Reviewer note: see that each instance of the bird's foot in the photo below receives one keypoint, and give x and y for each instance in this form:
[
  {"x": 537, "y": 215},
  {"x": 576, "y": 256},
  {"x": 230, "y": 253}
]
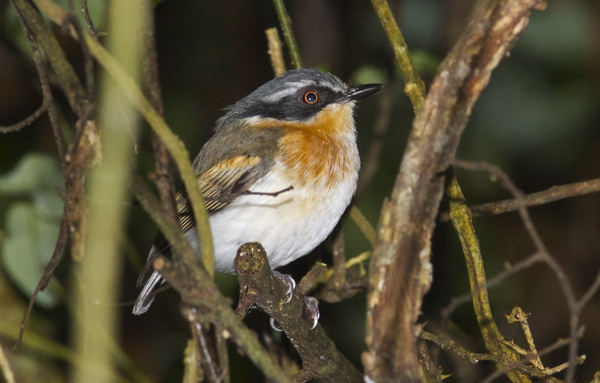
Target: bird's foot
[
  {"x": 289, "y": 282},
  {"x": 312, "y": 304}
]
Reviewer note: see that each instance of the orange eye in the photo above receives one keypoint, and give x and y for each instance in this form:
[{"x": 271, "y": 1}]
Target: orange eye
[{"x": 311, "y": 97}]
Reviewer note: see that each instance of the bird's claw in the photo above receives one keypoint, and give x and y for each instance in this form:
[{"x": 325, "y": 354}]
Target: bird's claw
[
  {"x": 290, "y": 285},
  {"x": 313, "y": 308}
]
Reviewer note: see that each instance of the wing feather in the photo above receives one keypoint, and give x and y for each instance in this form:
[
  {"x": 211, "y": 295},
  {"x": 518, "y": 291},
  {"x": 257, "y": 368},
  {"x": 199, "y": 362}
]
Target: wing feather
[{"x": 220, "y": 185}]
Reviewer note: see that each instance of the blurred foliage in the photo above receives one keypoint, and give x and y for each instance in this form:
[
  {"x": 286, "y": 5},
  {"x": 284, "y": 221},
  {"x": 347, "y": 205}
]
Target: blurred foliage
[
  {"x": 538, "y": 119},
  {"x": 32, "y": 221}
]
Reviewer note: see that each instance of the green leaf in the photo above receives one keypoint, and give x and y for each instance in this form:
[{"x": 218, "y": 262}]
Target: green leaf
[{"x": 32, "y": 221}]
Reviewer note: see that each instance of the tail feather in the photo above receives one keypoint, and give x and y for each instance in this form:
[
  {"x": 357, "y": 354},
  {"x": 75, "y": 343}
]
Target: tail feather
[{"x": 144, "y": 300}]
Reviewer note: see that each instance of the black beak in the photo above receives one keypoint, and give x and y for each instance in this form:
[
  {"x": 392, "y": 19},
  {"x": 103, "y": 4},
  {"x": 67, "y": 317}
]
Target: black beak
[{"x": 361, "y": 91}]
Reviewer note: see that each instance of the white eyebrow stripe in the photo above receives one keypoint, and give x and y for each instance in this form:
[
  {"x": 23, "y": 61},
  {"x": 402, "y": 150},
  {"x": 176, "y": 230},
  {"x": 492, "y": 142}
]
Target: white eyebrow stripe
[
  {"x": 291, "y": 88},
  {"x": 336, "y": 88}
]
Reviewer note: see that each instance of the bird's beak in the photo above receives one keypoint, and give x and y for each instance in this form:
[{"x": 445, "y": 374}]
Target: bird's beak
[{"x": 361, "y": 91}]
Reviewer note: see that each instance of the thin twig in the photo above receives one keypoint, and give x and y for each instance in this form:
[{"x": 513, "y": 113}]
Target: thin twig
[
  {"x": 555, "y": 193},
  {"x": 90, "y": 76},
  {"x": 46, "y": 91},
  {"x": 153, "y": 90},
  {"x": 88, "y": 20},
  {"x": 206, "y": 352},
  {"x": 380, "y": 128},
  {"x": 26, "y": 122},
  {"x": 521, "y": 362},
  {"x": 222, "y": 353},
  {"x": 288, "y": 33},
  {"x": 433, "y": 374},
  {"x": 363, "y": 224},
  {"x": 455, "y": 302},
  {"x": 518, "y": 315},
  {"x": 275, "y": 51},
  {"x": 458, "y": 350},
  {"x": 589, "y": 294},
  {"x": 557, "y": 269},
  {"x": 63, "y": 234},
  {"x": 6, "y": 370},
  {"x": 414, "y": 87}
]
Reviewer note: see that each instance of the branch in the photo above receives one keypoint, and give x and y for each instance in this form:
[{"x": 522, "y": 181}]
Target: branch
[
  {"x": 5, "y": 367},
  {"x": 461, "y": 219},
  {"x": 173, "y": 143},
  {"x": 48, "y": 273},
  {"x": 400, "y": 268},
  {"x": 288, "y": 33},
  {"x": 380, "y": 129},
  {"x": 258, "y": 286},
  {"x": 202, "y": 299},
  {"x": 76, "y": 94},
  {"x": 555, "y": 193},
  {"x": 275, "y": 51},
  {"x": 414, "y": 87},
  {"x": 495, "y": 281},
  {"x": 26, "y": 122},
  {"x": 575, "y": 306}
]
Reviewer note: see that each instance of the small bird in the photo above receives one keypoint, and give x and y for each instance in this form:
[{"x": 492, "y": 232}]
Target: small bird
[{"x": 280, "y": 169}]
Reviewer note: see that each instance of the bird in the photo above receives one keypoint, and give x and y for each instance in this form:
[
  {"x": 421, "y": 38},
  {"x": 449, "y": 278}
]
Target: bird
[{"x": 280, "y": 169}]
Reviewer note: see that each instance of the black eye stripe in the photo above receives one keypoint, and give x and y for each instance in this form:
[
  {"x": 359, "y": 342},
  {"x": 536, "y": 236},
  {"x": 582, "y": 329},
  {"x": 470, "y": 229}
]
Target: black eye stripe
[{"x": 311, "y": 97}]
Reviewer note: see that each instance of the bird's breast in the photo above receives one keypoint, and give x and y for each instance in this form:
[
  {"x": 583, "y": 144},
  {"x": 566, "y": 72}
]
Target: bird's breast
[{"x": 323, "y": 150}]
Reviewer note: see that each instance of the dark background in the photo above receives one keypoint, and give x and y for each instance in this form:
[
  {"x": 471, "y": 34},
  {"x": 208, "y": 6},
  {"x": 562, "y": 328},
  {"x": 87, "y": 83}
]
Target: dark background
[{"x": 539, "y": 119}]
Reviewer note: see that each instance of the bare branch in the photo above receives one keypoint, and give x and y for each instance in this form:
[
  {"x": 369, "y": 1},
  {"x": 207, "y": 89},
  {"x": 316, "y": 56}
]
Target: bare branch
[
  {"x": 555, "y": 193},
  {"x": 268, "y": 293},
  {"x": 380, "y": 128},
  {"x": 455, "y": 302},
  {"x": 288, "y": 33},
  {"x": 414, "y": 87},
  {"x": 275, "y": 51},
  {"x": 88, "y": 20},
  {"x": 26, "y": 122},
  {"x": 48, "y": 273},
  {"x": 9, "y": 376}
]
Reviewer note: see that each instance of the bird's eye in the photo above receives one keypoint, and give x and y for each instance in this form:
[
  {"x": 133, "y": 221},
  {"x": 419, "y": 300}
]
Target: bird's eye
[{"x": 311, "y": 97}]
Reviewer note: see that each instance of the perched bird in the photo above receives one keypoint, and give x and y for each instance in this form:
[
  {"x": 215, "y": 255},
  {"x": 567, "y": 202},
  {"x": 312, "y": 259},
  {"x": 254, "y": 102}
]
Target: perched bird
[{"x": 280, "y": 169}]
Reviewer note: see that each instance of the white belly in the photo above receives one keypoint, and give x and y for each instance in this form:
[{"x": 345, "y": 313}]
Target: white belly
[{"x": 288, "y": 226}]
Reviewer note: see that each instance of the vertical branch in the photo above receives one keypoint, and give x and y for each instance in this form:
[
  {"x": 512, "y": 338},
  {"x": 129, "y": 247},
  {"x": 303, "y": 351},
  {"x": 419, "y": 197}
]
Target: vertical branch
[
  {"x": 275, "y": 51},
  {"x": 46, "y": 91},
  {"x": 288, "y": 33},
  {"x": 5, "y": 366},
  {"x": 162, "y": 159},
  {"x": 96, "y": 325},
  {"x": 414, "y": 87},
  {"x": 460, "y": 216}
]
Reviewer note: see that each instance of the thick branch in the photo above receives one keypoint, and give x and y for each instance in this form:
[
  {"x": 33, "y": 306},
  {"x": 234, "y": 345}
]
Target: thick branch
[
  {"x": 400, "y": 268},
  {"x": 320, "y": 358}
]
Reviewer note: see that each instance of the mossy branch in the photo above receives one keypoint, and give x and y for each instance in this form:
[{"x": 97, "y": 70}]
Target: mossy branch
[
  {"x": 414, "y": 87},
  {"x": 288, "y": 33},
  {"x": 460, "y": 215}
]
